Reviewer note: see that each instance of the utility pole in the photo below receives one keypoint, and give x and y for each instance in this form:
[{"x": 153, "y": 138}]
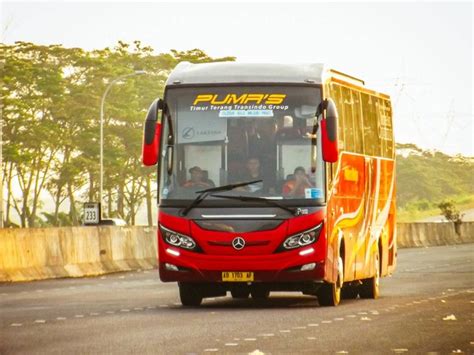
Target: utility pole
[{"x": 102, "y": 111}]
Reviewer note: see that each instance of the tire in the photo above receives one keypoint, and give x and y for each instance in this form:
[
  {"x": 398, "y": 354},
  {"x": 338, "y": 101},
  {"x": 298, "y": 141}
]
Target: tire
[
  {"x": 370, "y": 287},
  {"x": 189, "y": 295},
  {"x": 260, "y": 294},
  {"x": 330, "y": 294},
  {"x": 240, "y": 293},
  {"x": 349, "y": 292}
]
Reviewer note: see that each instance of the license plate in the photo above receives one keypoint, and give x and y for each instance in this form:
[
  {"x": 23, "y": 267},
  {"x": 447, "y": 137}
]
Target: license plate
[{"x": 237, "y": 276}]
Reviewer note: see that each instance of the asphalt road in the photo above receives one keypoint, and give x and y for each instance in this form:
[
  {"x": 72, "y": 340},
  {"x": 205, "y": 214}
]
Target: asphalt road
[{"x": 427, "y": 306}]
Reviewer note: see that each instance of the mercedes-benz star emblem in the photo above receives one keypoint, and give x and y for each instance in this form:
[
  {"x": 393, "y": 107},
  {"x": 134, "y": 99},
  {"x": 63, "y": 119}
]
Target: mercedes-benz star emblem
[{"x": 238, "y": 243}]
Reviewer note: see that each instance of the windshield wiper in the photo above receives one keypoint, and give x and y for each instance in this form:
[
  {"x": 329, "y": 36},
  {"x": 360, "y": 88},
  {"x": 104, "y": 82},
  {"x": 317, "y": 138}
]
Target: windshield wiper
[
  {"x": 204, "y": 193},
  {"x": 293, "y": 211}
]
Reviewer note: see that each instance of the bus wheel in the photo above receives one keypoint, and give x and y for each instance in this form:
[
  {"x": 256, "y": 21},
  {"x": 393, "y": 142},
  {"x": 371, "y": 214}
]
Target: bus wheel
[
  {"x": 330, "y": 294},
  {"x": 370, "y": 287},
  {"x": 189, "y": 295},
  {"x": 240, "y": 293},
  {"x": 260, "y": 294}
]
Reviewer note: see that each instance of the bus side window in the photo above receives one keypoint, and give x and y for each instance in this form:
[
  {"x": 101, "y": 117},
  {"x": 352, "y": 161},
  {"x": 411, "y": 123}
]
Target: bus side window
[
  {"x": 385, "y": 128},
  {"x": 335, "y": 94},
  {"x": 357, "y": 119},
  {"x": 369, "y": 118},
  {"x": 347, "y": 119}
]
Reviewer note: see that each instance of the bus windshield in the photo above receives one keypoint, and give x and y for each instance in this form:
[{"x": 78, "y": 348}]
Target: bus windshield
[{"x": 236, "y": 134}]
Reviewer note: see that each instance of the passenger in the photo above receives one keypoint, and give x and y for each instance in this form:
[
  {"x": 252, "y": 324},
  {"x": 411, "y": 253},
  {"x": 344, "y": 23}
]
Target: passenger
[
  {"x": 253, "y": 172},
  {"x": 198, "y": 179},
  {"x": 297, "y": 185}
]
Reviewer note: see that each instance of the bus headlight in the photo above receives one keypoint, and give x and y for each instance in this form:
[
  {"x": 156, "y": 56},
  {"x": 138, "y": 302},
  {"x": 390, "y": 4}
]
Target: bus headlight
[
  {"x": 302, "y": 239},
  {"x": 178, "y": 240}
]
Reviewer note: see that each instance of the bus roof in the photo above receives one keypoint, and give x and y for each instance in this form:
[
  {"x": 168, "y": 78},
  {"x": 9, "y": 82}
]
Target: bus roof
[
  {"x": 233, "y": 72},
  {"x": 186, "y": 73}
]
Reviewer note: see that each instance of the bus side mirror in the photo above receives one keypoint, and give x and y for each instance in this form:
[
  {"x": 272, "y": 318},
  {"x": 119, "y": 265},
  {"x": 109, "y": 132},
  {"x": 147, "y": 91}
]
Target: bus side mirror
[
  {"x": 152, "y": 134},
  {"x": 329, "y": 133}
]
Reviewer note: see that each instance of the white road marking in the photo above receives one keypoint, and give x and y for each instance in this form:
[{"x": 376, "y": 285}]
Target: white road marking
[
  {"x": 94, "y": 314},
  {"x": 110, "y": 312},
  {"x": 250, "y": 339},
  {"x": 231, "y": 344},
  {"x": 326, "y": 321},
  {"x": 311, "y": 338},
  {"x": 401, "y": 350},
  {"x": 351, "y": 316},
  {"x": 338, "y": 319},
  {"x": 40, "y": 321},
  {"x": 299, "y": 327},
  {"x": 285, "y": 331},
  {"x": 365, "y": 318},
  {"x": 39, "y": 290},
  {"x": 125, "y": 310},
  {"x": 211, "y": 350},
  {"x": 362, "y": 313},
  {"x": 79, "y": 316},
  {"x": 16, "y": 324},
  {"x": 450, "y": 317},
  {"x": 138, "y": 309},
  {"x": 266, "y": 335},
  {"x": 313, "y": 325},
  {"x": 61, "y": 318}
]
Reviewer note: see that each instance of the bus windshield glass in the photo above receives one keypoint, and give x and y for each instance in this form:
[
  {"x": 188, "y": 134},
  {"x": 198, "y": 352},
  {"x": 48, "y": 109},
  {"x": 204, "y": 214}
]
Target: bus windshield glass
[{"x": 235, "y": 134}]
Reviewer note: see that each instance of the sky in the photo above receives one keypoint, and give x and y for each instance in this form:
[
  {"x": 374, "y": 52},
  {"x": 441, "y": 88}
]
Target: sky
[{"x": 420, "y": 53}]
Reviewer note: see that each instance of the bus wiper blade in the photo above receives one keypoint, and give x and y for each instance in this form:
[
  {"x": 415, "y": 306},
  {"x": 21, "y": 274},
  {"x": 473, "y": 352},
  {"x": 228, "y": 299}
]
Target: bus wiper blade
[
  {"x": 204, "y": 193},
  {"x": 229, "y": 187},
  {"x": 293, "y": 211}
]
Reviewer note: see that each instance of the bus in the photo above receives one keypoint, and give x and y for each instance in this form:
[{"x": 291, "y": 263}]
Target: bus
[{"x": 272, "y": 177}]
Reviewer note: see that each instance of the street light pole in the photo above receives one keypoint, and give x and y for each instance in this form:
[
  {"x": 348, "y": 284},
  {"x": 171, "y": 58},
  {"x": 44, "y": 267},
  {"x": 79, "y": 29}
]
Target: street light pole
[{"x": 102, "y": 105}]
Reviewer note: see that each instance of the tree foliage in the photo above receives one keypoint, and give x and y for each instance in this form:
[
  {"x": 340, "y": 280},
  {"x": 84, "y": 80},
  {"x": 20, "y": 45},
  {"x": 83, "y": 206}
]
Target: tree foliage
[
  {"x": 425, "y": 178},
  {"x": 51, "y": 105}
]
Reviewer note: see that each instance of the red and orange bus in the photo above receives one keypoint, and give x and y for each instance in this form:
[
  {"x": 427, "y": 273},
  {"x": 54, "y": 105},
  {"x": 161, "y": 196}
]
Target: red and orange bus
[{"x": 272, "y": 177}]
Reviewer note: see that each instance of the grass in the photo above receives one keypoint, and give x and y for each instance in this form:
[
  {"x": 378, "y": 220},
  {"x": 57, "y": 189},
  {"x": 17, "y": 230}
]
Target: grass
[{"x": 412, "y": 214}]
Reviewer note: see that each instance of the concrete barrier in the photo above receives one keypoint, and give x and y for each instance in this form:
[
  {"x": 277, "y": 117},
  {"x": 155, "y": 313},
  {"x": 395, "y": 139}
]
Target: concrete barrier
[
  {"x": 410, "y": 235},
  {"x": 42, "y": 253}
]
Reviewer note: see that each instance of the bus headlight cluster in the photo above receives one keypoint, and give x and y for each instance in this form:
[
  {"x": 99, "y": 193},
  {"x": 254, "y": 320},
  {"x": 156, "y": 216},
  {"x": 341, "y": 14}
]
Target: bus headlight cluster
[
  {"x": 302, "y": 239},
  {"x": 178, "y": 240}
]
